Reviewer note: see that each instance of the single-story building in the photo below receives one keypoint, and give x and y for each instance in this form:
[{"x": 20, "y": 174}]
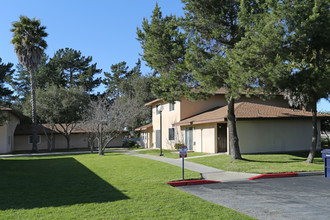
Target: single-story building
[
  {"x": 16, "y": 137},
  {"x": 7, "y": 130}
]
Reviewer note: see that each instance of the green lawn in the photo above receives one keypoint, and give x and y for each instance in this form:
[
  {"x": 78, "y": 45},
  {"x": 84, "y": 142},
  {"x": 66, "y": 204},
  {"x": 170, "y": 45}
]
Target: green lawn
[
  {"x": 263, "y": 163},
  {"x": 169, "y": 153},
  {"x": 114, "y": 186}
]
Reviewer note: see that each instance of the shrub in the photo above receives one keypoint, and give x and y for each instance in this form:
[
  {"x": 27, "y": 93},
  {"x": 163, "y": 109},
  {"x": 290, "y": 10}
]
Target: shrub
[
  {"x": 178, "y": 145},
  {"x": 325, "y": 142},
  {"x": 129, "y": 143}
]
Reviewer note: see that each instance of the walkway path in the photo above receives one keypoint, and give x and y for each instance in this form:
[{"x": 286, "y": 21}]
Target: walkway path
[{"x": 206, "y": 172}]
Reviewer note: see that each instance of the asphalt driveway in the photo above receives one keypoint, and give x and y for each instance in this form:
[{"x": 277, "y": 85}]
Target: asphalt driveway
[{"x": 305, "y": 197}]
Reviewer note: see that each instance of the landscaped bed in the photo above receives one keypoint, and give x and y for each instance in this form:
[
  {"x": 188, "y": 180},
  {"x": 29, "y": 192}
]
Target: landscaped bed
[
  {"x": 263, "y": 163},
  {"x": 114, "y": 186},
  {"x": 169, "y": 153}
]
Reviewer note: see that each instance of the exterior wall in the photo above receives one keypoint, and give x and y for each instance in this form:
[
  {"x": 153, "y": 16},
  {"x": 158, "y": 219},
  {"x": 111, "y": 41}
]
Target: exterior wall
[
  {"x": 204, "y": 138},
  {"x": 22, "y": 143},
  {"x": 190, "y": 108},
  {"x": 7, "y": 140},
  {"x": 278, "y": 101},
  {"x": 76, "y": 140},
  {"x": 255, "y": 136},
  {"x": 117, "y": 142},
  {"x": 258, "y": 136},
  {"x": 168, "y": 118},
  {"x": 3, "y": 139}
]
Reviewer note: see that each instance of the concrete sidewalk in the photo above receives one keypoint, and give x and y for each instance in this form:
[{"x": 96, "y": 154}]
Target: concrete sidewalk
[
  {"x": 44, "y": 154},
  {"x": 206, "y": 172}
]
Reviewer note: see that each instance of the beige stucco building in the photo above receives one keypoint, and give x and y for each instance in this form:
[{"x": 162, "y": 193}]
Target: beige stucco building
[
  {"x": 7, "y": 130},
  {"x": 262, "y": 126},
  {"x": 18, "y": 138}
]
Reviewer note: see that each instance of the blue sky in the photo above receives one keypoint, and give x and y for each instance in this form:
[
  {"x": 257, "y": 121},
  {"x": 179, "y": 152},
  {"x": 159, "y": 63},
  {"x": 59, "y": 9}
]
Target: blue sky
[{"x": 103, "y": 29}]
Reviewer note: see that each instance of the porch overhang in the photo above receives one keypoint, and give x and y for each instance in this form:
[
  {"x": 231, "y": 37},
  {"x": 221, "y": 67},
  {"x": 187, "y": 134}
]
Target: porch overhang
[
  {"x": 187, "y": 123},
  {"x": 144, "y": 127}
]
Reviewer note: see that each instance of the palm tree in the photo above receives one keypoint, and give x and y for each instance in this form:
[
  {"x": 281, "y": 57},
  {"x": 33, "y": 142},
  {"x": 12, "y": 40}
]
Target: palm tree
[{"x": 28, "y": 39}]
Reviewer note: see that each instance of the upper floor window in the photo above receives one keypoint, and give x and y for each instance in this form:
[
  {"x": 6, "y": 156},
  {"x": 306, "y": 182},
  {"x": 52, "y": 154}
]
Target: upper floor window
[{"x": 172, "y": 106}]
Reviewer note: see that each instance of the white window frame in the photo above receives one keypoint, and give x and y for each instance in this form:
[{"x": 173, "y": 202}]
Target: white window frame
[
  {"x": 171, "y": 105},
  {"x": 169, "y": 137}
]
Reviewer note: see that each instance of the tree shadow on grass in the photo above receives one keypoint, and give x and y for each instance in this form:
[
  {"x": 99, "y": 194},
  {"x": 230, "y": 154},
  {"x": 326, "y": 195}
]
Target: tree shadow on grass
[
  {"x": 27, "y": 184},
  {"x": 300, "y": 157},
  {"x": 267, "y": 161}
]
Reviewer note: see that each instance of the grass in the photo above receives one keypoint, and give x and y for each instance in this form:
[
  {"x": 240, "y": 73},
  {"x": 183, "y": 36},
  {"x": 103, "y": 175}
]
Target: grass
[
  {"x": 169, "y": 153},
  {"x": 114, "y": 186},
  {"x": 263, "y": 163}
]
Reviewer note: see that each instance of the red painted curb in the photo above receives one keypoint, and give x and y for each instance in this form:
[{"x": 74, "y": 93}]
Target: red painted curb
[
  {"x": 274, "y": 175},
  {"x": 191, "y": 182}
]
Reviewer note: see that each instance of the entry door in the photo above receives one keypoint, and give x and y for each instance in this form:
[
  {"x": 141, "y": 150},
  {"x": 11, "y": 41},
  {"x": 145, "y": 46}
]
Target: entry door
[
  {"x": 157, "y": 138},
  {"x": 189, "y": 138},
  {"x": 222, "y": 137}
]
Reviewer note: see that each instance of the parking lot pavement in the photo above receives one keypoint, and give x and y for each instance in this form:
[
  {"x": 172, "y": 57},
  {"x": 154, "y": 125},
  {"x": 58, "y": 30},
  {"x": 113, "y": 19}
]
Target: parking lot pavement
[{"x": 306, "y": 197}]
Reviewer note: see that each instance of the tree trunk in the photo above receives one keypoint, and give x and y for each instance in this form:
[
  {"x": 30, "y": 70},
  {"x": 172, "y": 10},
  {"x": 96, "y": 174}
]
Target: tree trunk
[
  {"x": 34, "y": 112},
  {"x": 101, "y": 151},
  {"x": 50, "y": 138},
  {"x": 233, "y": 138},
  {"x": 51, "y": 147},
  {"x": 68, "y": 142},
  {"x": 311, "y": 154}
]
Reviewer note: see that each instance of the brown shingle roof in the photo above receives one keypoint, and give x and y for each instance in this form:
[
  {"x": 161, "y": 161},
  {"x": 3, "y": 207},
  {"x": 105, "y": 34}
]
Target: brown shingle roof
[
  {"x": 246, "y": 110},
  {"x": 221, "y": 91},
  {"x": 144, "y": 127}
]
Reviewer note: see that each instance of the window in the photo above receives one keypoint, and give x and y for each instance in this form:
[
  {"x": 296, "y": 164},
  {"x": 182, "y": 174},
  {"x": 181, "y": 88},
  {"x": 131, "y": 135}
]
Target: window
[
  {"x": 171, "y": 134},
  {"x": 31, "y": 139},
  {"x": 172, "y": 106}
]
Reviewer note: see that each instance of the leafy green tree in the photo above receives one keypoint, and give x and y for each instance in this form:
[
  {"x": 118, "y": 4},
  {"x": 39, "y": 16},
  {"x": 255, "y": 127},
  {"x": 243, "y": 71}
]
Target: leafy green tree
[
  {"x": 286, "y": 45},
  {"x": 70, "y": 69},
  {"x": 20, "y": 81},
  {"x": 256, "y": 64},
  {"x": 119, "y": 82},
  {"x": 195, "y": 58},
  {"x": 214, "y": 29},
  {"x": 6, "y": 73},
  {"x": 164, "y": 46},
  {"x": 127, "y": 85},
  {"x": 29, "y": 43},
  {"x": 308, "y": 47},
  {"x": 61, "y": 106}
]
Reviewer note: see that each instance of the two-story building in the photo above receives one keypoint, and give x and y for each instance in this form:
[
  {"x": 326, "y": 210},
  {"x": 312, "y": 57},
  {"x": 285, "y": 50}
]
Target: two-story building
[{"x": 262, "y": 126}]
